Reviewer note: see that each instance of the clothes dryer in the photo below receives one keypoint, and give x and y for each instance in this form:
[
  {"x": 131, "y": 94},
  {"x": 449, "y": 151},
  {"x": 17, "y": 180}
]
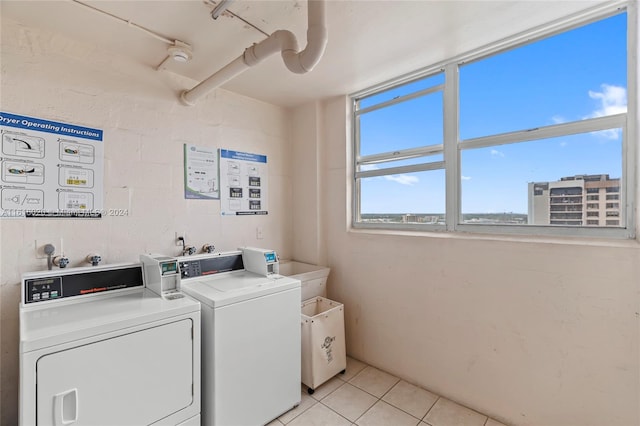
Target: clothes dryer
[{"x": 98, "y": 348}]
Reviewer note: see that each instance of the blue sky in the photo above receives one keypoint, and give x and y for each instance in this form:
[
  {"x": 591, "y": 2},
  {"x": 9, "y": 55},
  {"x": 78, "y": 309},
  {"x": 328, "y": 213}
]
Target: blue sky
[{"x": 568, "y": 77}]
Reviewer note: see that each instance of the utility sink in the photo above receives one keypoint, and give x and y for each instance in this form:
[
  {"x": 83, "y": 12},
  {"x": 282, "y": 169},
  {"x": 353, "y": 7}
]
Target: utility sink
[{"x": 313, "y": 277}]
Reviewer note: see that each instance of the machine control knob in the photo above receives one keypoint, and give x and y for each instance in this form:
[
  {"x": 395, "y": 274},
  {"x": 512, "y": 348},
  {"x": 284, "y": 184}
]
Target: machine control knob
[
  {"x": 94, "y": 259},
  {"x": 61, "y": 261},
  {"x": 208, "y": 248}
]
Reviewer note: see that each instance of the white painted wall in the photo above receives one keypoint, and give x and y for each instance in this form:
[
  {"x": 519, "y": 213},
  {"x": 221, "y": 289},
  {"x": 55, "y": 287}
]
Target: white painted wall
[
  {"x": 308, "y": 201},
  {"x": 528, "y": 331},
  {"x": 47, "y": 76}
]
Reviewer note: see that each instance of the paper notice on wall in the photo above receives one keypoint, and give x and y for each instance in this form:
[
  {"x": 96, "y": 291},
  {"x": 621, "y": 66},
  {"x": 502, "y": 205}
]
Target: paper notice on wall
[
  {"x": 201, "y": 173},
  {"x": 50, "y": 169},
  {"x": 243, "y": 183}
]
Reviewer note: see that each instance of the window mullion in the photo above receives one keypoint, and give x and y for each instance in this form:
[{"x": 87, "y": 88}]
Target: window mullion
[
  {"x": 631, "y": 132},
  {"x": 451, "y": 153},
  {"x": 423, "y": 167},
  {"x": 356, "y": 215},
  {"x": 403, "y": 154},
  {"x": 546, "y": 132},
  {"x": 401, "y": 99}
]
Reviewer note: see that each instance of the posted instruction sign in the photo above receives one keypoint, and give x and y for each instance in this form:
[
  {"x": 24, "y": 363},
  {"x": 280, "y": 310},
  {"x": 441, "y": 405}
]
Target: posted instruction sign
[
  {"x": 243, "y": 183},
  {"x": 50, "y": 169},
  {"x": 200, "y": 172}
]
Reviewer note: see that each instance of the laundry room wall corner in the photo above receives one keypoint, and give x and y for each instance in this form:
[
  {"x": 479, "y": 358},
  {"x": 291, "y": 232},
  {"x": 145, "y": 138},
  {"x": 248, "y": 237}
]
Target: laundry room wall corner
[
  {"x": 48, "y": 76},
  {"x": 308, "y": 242}
]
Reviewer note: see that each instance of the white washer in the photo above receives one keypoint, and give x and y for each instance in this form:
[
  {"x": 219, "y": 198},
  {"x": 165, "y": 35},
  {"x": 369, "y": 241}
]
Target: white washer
[
  {"x": 97, "y": 348},
  {"x": 250, "y": 339}
]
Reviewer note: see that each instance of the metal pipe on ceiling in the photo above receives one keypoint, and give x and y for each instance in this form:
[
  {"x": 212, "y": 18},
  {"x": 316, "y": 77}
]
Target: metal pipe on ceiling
[{"x": 221, "y": 7}]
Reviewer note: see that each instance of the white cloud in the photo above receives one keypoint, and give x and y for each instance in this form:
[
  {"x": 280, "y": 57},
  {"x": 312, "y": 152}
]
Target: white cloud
[
  {"x": 496, "y": 153},
  {"x": 465, "y": 177},
  {"x": 403, "y": 179},
  {"x": 558, "y": 119},
  {"x": 564, "y": 143},
  {"x": 613, "y": 100}
]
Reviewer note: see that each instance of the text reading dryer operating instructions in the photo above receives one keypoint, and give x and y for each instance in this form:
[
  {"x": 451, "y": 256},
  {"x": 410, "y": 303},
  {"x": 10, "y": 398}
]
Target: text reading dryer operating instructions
[{"x": 49, "y": 169}]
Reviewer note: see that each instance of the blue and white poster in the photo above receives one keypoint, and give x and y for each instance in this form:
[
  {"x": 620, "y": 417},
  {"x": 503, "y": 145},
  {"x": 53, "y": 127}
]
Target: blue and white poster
[
  {"x": 243, "y": 183},
  {"x": 201, "y": 173},
  {"x": 50, "y": 169}
]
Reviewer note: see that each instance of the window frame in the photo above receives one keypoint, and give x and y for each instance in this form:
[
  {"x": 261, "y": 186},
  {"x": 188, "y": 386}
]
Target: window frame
[{"x": 452, "y": 146}]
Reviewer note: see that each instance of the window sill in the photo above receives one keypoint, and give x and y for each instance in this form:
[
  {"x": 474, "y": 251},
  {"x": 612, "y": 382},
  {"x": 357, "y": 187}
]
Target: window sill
[{"x": 518, "y": 238}]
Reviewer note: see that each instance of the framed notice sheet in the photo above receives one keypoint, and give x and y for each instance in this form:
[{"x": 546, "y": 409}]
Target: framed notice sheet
[
  {"x": 243, "y": 183},
  {"x": 49, "y": 169},
  {"x": 201, "y": 173}
]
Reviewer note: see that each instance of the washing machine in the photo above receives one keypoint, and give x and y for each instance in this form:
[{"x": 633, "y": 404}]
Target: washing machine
[
  {"x": 99, "y": 348},
  {"x": 250, "y": 335}
]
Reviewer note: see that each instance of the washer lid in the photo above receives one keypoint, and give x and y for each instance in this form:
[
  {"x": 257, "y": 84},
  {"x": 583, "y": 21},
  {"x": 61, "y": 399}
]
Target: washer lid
[{"x": 233, "y": 287}]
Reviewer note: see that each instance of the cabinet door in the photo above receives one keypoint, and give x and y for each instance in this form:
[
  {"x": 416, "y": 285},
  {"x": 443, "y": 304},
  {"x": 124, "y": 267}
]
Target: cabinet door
[{"x": 132, "y": 379}]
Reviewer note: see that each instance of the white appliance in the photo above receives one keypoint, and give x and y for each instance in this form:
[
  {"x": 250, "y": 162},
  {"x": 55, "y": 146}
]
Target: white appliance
[
  {"x": 98, "y": 348},
  {"x": 250, "y": 336}
]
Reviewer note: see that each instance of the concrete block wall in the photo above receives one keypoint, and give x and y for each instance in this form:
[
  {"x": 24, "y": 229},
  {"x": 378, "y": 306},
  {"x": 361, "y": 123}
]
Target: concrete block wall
[{"x": 47, "y": 76}]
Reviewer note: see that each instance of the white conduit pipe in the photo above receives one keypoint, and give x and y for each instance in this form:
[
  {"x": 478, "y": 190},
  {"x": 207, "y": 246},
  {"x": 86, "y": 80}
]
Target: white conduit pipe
[
  {"x": 282, "y": 41},
  {"x": 125, "y": 21}
]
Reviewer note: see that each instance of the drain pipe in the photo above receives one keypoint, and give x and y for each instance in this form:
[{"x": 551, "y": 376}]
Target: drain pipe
[{"x": 282, "y": 41}]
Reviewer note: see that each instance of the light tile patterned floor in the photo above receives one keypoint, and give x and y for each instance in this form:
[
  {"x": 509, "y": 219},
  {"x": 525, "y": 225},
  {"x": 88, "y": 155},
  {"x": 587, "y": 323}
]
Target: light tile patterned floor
[{"x": 366, "y": 396}]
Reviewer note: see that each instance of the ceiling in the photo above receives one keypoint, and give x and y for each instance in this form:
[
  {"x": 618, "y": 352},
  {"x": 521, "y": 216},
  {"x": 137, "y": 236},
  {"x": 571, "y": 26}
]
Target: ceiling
[{"x": 370, "y": 41}]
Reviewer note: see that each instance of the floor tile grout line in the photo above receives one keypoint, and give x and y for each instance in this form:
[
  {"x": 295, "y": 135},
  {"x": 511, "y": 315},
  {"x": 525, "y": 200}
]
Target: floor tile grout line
[
  {"x": 399, "y": 380},
  {"x": 398, "y": 408},
  {"x": 389, "y": 390},
  {"x": 401, "y": 409},
  {"x": 430, "y": 408},
  {"x": 350, "y": 421},
  {"x": 380, "y": 398},
  {"x": 298, "y": 415}
]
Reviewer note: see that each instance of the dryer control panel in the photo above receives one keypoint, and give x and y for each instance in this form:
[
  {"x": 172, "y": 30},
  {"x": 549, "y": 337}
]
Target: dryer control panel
[
  {"x": 45, "y": 286},
  {"x": 43, "y": 289}
]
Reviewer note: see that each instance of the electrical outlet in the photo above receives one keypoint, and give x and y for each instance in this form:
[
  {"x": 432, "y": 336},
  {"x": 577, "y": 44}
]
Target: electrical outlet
[
  {"x": 259, "y": 233},
  {"x": 179, "y": 234},
  {"x": 39, "y": 244}
]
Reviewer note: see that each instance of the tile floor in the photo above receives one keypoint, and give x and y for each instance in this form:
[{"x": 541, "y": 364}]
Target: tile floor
[{"x": 366, "y": 396}]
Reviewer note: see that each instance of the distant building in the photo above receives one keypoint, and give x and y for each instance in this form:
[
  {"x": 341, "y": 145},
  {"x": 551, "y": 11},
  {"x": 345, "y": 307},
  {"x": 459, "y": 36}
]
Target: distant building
[
  {"x": 581, "y": 200},
  {"x": 410, "y": 218}
]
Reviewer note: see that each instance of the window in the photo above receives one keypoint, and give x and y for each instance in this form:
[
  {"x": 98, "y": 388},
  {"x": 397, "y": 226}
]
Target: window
[
  {"x": 400, "y": 154},
  {"x": 504, "y": 142}
]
